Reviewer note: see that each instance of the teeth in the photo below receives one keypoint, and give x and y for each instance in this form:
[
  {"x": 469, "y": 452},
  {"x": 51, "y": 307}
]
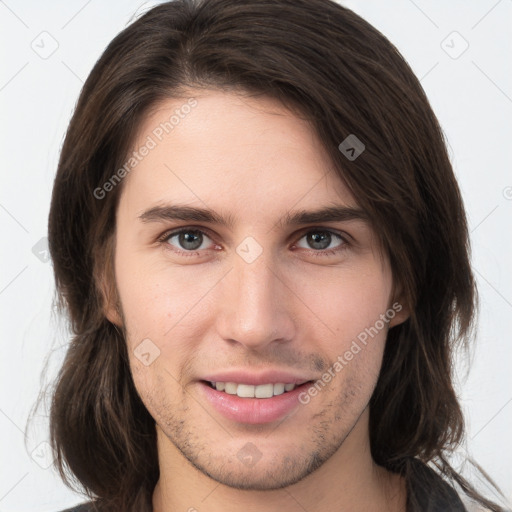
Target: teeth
[
  {"x": 280, "y": 387},
  {"x": 249, "y": 391},
  {"x": 230, "y": 388}
]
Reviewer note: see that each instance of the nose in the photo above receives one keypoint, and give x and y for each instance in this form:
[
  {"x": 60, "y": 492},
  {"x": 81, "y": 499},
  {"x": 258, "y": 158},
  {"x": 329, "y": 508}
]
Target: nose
[{"x": 255, "y": 307}]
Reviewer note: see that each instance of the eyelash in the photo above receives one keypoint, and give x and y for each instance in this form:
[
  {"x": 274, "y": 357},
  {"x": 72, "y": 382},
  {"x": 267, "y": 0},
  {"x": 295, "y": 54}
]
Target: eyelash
[{"x": 316, "y": 253}]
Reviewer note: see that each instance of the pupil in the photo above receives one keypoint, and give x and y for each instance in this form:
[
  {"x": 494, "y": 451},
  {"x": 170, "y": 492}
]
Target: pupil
[
  {"x": 190, "y": 240},
  {"x": 319, "y": 240}
]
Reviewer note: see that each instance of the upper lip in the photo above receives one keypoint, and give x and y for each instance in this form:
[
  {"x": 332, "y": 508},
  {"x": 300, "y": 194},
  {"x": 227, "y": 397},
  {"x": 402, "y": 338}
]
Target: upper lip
[{"x": 265, "y": 377}]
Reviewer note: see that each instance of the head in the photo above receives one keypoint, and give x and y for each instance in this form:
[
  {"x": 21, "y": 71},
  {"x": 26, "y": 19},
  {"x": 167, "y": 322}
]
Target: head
[{"x": 215, "y": 105}]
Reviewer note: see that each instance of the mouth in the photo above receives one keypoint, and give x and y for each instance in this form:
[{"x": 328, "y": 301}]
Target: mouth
[
  {"x": 268, "y": 390},
  {"x": 250, "y": 404}
]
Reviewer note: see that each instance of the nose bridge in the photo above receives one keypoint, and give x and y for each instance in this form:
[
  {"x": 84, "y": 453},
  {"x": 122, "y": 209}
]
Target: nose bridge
[
  {"x": 255, "y": 308},
  {"x": 255, "y": 283}
]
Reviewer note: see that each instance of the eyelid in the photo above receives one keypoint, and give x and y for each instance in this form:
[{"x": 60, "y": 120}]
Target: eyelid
[
  {"x": 176, "y": 231},
  {"x": 345, "y": 238},
  {"x": 185, "y": 229},
  {"x": 342, "y": 234},
  {"x": 343, "y": 245}
]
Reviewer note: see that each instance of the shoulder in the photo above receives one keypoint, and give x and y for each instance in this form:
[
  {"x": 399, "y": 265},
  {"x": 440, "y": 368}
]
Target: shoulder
[
  {"x": 83, "y": 507},
  {"x": 429, "y": 492}
]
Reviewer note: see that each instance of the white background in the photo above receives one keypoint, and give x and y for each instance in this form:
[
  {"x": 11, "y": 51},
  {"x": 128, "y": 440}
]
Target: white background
[{"x": 471, "y": 95}]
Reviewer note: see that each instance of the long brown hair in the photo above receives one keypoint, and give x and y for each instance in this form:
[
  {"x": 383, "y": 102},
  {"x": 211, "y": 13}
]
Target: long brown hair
[{"x": 329, "y": 66}]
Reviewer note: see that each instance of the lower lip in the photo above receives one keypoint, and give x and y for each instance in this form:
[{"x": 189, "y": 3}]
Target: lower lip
[{"x": 253, "y": 410}]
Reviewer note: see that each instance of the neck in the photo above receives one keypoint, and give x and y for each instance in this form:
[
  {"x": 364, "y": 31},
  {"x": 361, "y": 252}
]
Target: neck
[{"x": 348, "y": 481}]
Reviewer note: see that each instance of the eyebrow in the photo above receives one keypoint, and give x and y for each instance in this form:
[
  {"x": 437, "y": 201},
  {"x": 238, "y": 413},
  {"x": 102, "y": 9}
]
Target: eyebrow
[{"x": 336, "y": 213}]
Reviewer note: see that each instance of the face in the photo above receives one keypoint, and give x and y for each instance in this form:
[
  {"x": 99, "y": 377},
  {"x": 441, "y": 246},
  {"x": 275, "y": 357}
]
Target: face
[{"x": 255, "y": 291}]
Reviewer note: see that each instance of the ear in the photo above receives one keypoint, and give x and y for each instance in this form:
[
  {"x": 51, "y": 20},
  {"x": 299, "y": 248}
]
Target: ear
[
  {"x": 109, "y": 298},
  {"x": 400, "y": 306},
  {"x": 113, "y": 314},
  {"x": 402, "y": 313},
  {"x": 106, "y": 285}
]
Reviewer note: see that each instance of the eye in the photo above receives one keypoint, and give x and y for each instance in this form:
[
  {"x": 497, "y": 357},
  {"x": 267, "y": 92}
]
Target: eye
[
  {"x": 187, "y": 240},
  {"x": 192, "y": 241},
  {"x": 322, "y": 240}
]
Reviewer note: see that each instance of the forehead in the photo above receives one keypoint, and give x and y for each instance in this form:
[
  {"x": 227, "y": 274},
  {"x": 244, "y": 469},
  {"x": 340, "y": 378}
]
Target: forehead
[{"x": 242, "y": 154}]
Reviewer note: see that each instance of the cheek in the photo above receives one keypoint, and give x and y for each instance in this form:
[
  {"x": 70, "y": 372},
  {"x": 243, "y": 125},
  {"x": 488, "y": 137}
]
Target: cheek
[
  {"x": 346, "y": 302},
  {"x": 162, "y": 302},
  {"x": 146, "y": 299}
]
